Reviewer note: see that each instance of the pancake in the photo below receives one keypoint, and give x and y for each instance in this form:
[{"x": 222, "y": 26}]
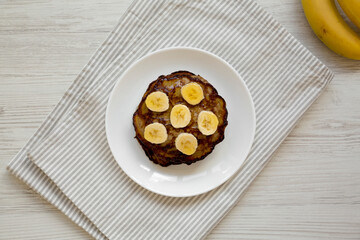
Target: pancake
[{"x": 166, "y": 154}]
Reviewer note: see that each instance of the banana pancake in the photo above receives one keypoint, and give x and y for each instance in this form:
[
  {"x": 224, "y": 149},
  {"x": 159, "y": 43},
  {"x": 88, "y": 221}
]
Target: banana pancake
[{"x": 180, "y": 119}]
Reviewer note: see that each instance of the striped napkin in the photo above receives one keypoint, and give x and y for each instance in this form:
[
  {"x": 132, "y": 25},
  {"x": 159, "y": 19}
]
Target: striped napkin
[{"x": 68, "y": 161}]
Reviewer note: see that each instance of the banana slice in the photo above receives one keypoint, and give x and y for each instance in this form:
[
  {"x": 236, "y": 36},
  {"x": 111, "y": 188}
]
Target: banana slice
[
  {"x": 207, "y": 122},
  {"x": 186, "y": 143},
  {"x": 155, "y": 133},
  {"x": 157, "y": 102},
  {"x": 180, "y": 116},
  {"x": 192, "y": 93}
]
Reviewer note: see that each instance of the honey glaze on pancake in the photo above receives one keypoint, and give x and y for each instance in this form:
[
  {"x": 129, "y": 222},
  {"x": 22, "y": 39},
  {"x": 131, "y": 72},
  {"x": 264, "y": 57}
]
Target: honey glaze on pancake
[{"x": 166, "y": 153}]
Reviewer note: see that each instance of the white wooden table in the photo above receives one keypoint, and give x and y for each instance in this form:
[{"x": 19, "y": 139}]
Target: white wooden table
[{"x": 310, "y": 189}]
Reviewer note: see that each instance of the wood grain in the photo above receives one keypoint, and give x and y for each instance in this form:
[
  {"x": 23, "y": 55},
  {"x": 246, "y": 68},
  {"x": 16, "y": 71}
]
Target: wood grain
[{"x": 310, "y": 189}]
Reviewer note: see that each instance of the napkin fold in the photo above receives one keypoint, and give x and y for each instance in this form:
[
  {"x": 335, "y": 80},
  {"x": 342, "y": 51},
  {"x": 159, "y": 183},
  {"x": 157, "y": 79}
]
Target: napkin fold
[{"x": 69, "y": 163}]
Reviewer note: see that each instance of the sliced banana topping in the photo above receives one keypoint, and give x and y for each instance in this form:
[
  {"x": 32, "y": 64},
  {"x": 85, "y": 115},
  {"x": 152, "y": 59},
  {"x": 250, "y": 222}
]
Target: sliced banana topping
[
  {"x": 186, "y": 143},
  {"x": 157, "y": 101},
  {"x": 155, "y": 133},
  {"x": 180, "y": 116},
  {"x": 207, "y": 122},
  {"x": 192, "y": 93}
]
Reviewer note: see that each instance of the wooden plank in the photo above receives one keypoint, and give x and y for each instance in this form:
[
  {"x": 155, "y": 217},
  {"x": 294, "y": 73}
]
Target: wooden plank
[{"x": 310, "y": 189}]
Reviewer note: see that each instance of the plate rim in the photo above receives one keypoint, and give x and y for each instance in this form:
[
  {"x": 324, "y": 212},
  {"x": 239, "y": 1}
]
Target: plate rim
[{"x": 150, "y": 54}]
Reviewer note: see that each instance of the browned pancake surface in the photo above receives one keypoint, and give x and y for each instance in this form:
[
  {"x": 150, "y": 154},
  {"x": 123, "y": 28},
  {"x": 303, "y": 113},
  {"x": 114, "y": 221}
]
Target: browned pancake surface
[{"x": 166, "y": 153}]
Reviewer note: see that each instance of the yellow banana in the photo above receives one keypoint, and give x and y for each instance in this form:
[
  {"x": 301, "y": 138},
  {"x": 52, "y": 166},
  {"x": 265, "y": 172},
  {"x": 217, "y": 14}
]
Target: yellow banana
[
  {"x": 192, "y": 93},
  {"x": 157, "y": 101},
  {"x": 180, "y": 116},
  {"x": 352, "y": 10},
  {"x": 331, "y": 29},
  {"x": 155, "y": 133},
  {"x": 186, "y": 143},
  {"x": 207, "y": 122}
]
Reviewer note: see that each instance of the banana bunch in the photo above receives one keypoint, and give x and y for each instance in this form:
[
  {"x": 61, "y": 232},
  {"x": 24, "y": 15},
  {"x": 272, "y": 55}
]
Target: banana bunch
[
  {"x": 330, "y": 27},
  {"x": 180, "y": 117},
  {"x": 352, "y": 10}
]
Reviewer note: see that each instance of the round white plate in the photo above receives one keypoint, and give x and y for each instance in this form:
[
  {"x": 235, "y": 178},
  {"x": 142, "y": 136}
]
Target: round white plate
[{"x": 180, "y": 180}]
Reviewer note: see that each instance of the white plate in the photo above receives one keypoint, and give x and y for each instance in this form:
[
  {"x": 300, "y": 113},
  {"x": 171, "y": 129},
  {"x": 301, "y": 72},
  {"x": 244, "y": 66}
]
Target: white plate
[{"x": 180, "y": 180}]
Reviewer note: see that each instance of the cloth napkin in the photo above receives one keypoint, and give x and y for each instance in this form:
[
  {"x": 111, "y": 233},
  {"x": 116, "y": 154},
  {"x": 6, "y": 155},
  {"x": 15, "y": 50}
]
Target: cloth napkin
[{"x": 68, "y": 161}]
